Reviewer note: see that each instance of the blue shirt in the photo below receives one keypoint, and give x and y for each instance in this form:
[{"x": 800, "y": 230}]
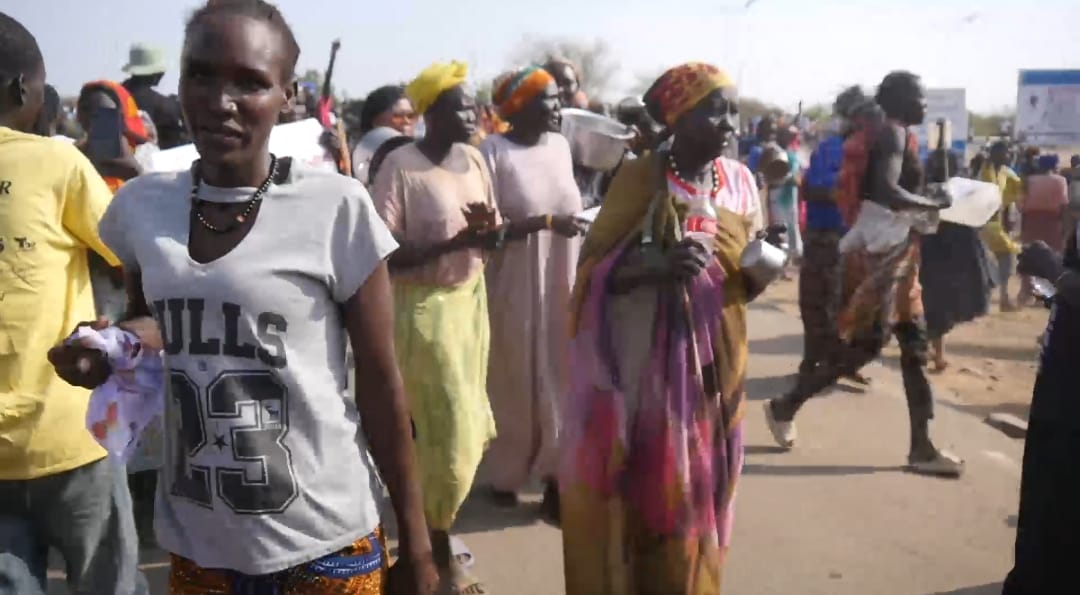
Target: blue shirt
[
  {"x": 754, "y": 159},
  {"x": 823, "y": 173}
]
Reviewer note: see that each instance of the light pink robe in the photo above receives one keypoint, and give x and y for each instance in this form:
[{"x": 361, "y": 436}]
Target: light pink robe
[{"x": 529, "y": 284}]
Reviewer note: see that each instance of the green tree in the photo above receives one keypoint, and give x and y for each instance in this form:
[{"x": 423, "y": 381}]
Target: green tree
[
  {"x": 988, "y": 124},
  {"x": 483, "y": 92},
  {"x": 818, "y": 112}
]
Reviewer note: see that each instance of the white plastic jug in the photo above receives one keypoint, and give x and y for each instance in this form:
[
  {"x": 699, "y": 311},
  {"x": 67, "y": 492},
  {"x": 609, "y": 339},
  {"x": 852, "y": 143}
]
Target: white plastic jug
[{"x": 974, "y": 202}]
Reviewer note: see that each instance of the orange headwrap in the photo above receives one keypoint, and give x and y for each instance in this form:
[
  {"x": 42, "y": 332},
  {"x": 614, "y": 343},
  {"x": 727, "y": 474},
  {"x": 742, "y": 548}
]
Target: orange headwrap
[
  {"x": 679, "y": 89},
  {"x": 134, "y": 130},
  {"x": 516, "y": 90}
]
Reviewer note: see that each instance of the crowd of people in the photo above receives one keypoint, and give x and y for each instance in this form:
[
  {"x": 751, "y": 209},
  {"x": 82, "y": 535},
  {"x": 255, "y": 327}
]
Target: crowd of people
[{"x": 494, "y": 336}]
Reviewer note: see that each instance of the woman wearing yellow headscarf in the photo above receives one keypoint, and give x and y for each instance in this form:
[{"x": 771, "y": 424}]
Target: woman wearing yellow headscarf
[{"x": 652, "y": 428}]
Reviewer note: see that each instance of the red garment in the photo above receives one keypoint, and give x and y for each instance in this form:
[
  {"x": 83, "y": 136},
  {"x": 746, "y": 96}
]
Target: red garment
[
  {"x": 851, "y": 181},
  {"x": 324, "y": 111}
]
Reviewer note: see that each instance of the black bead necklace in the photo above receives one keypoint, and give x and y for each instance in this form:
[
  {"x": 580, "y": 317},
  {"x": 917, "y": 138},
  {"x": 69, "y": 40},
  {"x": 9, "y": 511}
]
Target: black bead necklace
[
  {"x": 256, "y": 198},
  {"x": 713, "y": 170}
]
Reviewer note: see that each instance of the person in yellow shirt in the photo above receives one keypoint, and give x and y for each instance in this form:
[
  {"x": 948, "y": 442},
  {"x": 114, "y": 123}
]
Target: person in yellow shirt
[
  {"x": 996, "y": 233},
  {"x": 57, "y": 488}
]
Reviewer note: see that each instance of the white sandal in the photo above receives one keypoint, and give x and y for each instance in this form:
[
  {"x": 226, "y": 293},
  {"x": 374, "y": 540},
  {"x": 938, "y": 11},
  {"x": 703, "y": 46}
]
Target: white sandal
[
  {"x": 783, "y": 432},
  {"x": 944, "y": 464}
]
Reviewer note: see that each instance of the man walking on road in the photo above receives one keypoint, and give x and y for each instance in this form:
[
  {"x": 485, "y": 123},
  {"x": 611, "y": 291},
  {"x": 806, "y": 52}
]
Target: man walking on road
[{"x": 882, "y": 270}]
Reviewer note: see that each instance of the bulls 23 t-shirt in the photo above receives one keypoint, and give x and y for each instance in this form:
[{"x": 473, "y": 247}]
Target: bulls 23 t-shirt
[{"x": 264, "y": 469}]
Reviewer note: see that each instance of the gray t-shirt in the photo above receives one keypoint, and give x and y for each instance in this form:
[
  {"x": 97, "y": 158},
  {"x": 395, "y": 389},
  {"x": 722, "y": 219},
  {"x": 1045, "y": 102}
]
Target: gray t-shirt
[{"x": 265, "y": 467}]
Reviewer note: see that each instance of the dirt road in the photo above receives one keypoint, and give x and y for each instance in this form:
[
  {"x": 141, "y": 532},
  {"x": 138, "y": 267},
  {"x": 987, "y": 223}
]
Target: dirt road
[{"x": 992, "y": 361}]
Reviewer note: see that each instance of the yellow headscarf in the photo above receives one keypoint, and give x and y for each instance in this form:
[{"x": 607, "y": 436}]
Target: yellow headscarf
[
  {"x": 679, "y": 89},
  {"x": 433, "y": 81}
]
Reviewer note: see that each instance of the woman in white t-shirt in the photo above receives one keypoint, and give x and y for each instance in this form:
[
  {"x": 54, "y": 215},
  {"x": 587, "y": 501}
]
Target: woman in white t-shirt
[{"x": 257, "y": 270}]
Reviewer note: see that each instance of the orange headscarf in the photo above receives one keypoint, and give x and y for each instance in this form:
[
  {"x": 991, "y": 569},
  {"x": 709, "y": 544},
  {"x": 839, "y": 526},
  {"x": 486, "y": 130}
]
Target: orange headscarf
[
  {"x": 517, "y": 89},
  {"x": 133, "y": 129}
]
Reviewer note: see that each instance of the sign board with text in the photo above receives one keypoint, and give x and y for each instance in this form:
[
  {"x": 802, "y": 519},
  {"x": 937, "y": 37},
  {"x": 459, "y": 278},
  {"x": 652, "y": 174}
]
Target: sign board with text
[
  {"x": 1048, "y": 107},
  {"x": 949, "y": 105}
]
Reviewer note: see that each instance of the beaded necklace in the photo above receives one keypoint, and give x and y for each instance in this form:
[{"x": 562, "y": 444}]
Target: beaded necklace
[{"x": 197, "y": 203}]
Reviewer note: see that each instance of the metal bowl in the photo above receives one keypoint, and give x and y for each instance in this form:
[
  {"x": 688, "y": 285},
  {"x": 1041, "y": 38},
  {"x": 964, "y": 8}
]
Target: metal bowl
[
  {"x": 596, "y": 142},
  {"x": 762, "y": 262}
]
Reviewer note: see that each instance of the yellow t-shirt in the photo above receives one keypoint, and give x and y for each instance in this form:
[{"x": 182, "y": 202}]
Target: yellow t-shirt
[
  {"x": 51, "y": 199},
  {"x": 1012, "y": 190}
]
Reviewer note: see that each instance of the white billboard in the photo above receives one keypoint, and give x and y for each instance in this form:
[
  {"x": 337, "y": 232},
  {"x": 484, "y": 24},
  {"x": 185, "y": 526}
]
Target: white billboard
[
  {"x": 1048, "y": 107},
  {"x": 949, "y": 105}
]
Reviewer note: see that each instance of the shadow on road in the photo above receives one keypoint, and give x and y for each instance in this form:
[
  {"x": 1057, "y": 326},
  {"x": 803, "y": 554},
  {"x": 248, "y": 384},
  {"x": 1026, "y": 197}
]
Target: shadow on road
[
  {"x": 761, "y": 449},
  {"x": 479, "y": 515},
  {"x": 991, "y": 589},
  {"x": 1020, "y": 353},
  {"x": 781, "y": 345},
  {"x": 768, "y": 387},
  {"x": 768, "y": 305},
  {"x": 828, "y": 470}
]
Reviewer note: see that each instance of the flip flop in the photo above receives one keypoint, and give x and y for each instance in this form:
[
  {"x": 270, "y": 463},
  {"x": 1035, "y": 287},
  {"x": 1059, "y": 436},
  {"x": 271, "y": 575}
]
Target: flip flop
[
  {"x": 465, "y": 583},
  {"x": 944, "y": 464},
  {"x": 461, "y": 553}
]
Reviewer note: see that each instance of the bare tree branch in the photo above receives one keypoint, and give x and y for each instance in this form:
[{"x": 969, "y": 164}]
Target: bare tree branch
[{"x": 593, "y": 60}]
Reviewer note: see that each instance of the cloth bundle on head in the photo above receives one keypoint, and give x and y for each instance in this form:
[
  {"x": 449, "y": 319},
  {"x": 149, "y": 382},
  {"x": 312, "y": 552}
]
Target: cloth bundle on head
[
  {"x": 679, "y": 89},
  {"x": 133, "y": 128},
  {"x": 434, "y": 81},
  {"x": 516, "y": 90}
]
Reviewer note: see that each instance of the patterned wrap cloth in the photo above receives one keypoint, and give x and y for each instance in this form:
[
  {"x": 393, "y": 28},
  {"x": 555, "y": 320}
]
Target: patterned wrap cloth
[
  {"x": 652, "y": 433},
  {"x": 516, "y": 90},
  {"x": 358, "y": 569},
  {"x": 679, "y": 89},
  {"x": 433, "y": 82}
]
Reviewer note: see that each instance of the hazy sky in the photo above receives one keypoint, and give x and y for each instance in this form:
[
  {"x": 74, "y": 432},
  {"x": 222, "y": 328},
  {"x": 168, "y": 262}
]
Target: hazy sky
[{"x": 781, "y": 50}]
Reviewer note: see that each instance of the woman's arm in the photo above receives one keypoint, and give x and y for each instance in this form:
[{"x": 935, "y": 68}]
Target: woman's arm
[
  {"x": 89, "y": 368},
  {"x": 681, "y": 262},
  {"x": 564, "y": 225},
  {"x": 380, "y": 399},
  {"x": 124, "y": 167},
  {"x": 413, "y": 254},
  {"x": 138, "y": 317}
]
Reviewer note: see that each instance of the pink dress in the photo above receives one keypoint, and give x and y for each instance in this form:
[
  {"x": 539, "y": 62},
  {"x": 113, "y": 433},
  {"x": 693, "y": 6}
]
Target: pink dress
[
  {"x": 1043, "y": 210},
  {"x": 529, "y": 283}
]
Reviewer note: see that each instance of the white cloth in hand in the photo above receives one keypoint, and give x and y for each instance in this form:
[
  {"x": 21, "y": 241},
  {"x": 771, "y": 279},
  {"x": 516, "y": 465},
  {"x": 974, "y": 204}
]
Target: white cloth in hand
[{"x": 132, "y": 397}]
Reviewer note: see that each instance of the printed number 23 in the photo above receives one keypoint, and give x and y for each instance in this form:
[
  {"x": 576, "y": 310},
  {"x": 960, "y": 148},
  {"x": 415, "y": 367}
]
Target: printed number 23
[{"x": 256, "y": 446}]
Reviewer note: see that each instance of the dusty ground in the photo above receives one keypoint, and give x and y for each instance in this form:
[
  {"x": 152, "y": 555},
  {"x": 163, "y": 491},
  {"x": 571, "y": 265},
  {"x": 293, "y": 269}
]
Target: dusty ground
[{"x": 992, "y": 361}]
